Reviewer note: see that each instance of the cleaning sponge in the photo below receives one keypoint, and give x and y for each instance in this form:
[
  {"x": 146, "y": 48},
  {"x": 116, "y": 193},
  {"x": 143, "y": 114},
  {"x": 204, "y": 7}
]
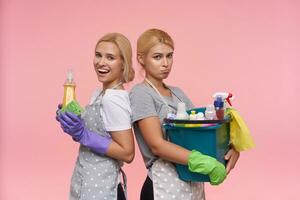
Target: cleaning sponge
[{"x": 73, "y": 107}]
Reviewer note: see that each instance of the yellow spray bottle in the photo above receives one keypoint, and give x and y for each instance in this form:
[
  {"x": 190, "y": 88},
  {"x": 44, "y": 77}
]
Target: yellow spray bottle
[
  {"x": 69, "y": 90},
  {"x": 69, "y": 100}
]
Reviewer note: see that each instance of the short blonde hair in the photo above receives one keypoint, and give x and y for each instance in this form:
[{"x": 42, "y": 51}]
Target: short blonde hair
[
  {"x": 150, "y": 38},
  {"x": 125, "y": 50}
]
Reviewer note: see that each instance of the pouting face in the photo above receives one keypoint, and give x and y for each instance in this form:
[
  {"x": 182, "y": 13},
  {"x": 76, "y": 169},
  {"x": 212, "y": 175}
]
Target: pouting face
[
  {"x": 158, "y": 61},
  {"x": 108, "y": 63}
]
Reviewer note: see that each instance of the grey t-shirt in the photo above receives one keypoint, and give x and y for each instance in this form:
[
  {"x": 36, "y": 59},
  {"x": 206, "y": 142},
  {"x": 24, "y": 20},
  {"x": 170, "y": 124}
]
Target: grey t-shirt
[{"x": 145, "y": 102}]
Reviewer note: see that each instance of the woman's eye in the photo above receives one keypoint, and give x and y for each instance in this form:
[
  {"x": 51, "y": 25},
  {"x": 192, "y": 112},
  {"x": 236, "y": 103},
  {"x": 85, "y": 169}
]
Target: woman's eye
[
  {"x": 157, "y": 57},
  {"x": 170, "y": 56},
  {"x": 110, "y": 58},
  {"x": 98, "y": 55}
]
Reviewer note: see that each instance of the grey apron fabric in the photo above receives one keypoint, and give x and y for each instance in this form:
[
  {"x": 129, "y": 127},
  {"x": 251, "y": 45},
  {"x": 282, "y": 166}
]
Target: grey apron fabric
[{"x": 94, "y": 176}]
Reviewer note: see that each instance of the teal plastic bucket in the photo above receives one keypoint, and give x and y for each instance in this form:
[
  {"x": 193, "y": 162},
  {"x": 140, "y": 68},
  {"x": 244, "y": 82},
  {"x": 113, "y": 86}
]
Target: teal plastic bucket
[{"x": 209, "y": 140}]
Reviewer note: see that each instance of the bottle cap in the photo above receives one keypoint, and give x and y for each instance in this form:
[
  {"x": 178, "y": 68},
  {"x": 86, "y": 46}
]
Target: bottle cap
[
  {"x": 219, "y": 102},
  {"x": 70, "y": 76}
]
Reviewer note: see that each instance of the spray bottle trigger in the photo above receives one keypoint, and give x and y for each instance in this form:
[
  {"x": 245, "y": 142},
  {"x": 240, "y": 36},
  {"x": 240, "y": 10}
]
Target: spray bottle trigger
[{"x": 228, "y": 98}]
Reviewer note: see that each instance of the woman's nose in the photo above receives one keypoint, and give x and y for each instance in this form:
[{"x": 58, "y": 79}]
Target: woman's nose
[
  {"x": 102, "y": 61},
  {"x": 165, "y": 62}
]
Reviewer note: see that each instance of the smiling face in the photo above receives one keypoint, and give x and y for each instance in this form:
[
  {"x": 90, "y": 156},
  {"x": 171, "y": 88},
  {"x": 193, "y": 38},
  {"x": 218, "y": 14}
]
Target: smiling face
[
  {"x": 158, "y": 61},
  {"x": 108, "y": 64}
]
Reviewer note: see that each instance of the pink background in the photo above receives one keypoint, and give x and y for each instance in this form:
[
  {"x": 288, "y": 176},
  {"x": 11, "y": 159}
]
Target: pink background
[{"x": 250, "y": 48}]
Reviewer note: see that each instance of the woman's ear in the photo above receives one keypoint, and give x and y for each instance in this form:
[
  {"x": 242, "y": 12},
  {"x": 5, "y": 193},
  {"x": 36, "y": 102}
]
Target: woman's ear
[{"x": 140, "y": 59}]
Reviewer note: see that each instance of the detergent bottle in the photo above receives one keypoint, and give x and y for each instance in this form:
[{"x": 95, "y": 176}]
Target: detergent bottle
[
  {"x": 210, "y": 112},
  {"x": 181, "y": 111},
  {"x": 219, "y": 107},
  {"x": 171, "y": 115},
  {"x": 200, "y": 116},
  {"x": 69, "y": 90},
  {"x": 193, "y": 115}
]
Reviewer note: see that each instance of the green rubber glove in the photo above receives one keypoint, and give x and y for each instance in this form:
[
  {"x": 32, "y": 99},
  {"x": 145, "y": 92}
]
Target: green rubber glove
[
  {"x": 72, "y": 107},
  {"x": 203, "y": 164}
]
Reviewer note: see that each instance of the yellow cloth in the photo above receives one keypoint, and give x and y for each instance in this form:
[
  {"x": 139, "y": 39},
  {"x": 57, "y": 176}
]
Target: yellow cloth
[{"x": 240, "y": 136}]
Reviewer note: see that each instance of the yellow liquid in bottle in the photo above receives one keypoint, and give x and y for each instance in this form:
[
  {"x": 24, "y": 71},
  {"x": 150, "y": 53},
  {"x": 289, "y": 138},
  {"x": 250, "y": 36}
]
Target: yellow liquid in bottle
[{"x": 69, "y": 93}]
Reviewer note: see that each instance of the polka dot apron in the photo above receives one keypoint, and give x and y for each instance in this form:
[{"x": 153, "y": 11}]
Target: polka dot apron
[
  {"x": 95, "y": 176},
  {"x": 166, "y": 183}
]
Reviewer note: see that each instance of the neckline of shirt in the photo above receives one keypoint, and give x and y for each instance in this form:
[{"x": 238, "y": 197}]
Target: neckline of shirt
[{"x": 169, "y": 87}]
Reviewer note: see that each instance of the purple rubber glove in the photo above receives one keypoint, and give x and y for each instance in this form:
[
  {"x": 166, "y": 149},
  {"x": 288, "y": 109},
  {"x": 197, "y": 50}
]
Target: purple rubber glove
[
  {"x": 57, "y": 112},
  {"x": 74, "y": 126}
]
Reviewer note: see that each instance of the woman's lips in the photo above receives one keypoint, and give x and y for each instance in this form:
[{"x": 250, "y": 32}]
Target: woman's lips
[
  {"x": 165, "y": 72},
  {"x": 103, "y": 71}
]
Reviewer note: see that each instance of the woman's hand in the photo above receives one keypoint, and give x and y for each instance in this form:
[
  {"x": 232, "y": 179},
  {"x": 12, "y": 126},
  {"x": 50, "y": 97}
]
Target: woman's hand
[
  {"x": 232, "y": 157},
  {"x": 72, "y": 125},
  {"x": 57, "y": 112},
  {"x": 204, "y": 164}
]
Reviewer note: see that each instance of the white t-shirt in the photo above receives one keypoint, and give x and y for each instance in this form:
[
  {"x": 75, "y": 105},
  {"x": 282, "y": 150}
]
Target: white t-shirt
[{"x": 116, "y": 111}]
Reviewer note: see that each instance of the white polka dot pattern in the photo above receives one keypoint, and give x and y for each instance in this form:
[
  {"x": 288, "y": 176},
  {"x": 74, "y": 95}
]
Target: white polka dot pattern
[
  {"x": 94, "y": 176},
  {"x": 167, "y": 185}
]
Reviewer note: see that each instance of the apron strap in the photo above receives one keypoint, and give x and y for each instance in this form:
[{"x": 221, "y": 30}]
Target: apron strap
[
  {"x": 150, "y": 162},
  {"x": 124, "y": 182}
]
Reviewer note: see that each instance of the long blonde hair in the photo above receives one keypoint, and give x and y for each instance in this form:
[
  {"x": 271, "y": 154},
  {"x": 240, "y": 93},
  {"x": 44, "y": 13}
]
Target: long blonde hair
[{"x": 125, "y": 50}]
